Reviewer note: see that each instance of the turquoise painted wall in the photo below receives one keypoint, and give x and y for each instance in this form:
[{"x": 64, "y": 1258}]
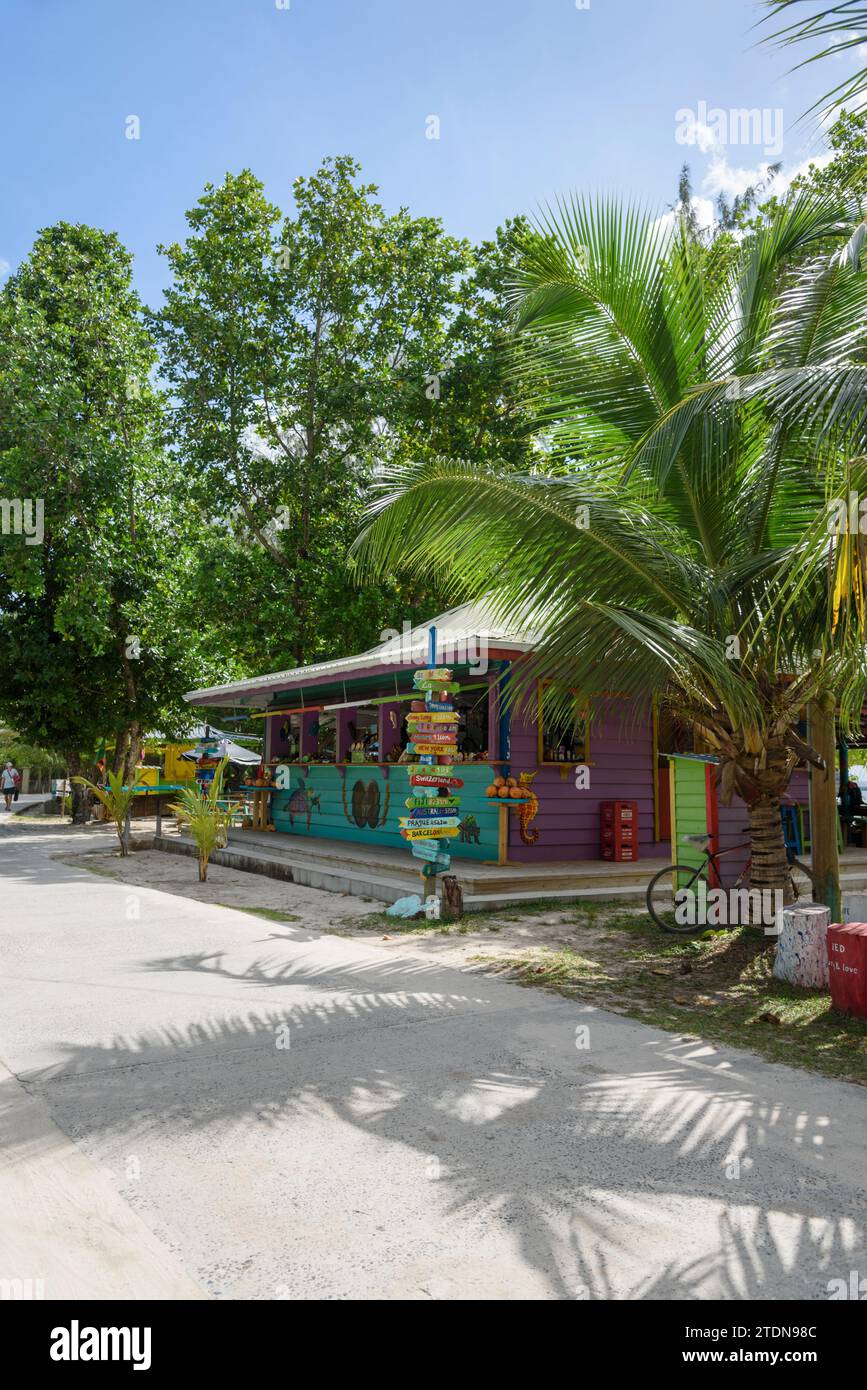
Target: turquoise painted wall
[{"x": 373, "y": 794}]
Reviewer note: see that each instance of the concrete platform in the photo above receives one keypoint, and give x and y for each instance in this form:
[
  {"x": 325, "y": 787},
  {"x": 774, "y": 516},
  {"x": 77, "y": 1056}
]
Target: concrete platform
[{"x": 384, "y": 875}]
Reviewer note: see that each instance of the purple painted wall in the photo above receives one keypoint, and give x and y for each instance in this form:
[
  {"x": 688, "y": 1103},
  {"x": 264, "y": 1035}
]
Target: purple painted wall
[{"x": 621, "y": 769}]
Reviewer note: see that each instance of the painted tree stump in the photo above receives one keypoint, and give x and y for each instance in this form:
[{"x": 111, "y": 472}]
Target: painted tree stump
[
  {"x": 452, "y": 899},
  {"x": 802, "y": 953}
]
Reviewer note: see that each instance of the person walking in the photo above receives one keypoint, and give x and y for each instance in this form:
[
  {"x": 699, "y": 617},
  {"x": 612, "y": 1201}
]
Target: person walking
[{"x": 10, "y": 777}]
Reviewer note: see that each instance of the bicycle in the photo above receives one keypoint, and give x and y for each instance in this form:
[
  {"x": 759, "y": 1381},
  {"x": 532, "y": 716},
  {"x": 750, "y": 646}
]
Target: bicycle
[{"x": 676, "y": 878}]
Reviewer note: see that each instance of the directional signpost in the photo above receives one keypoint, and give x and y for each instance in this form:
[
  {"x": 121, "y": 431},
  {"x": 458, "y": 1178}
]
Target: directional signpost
[{"x": 433, "y": 810}]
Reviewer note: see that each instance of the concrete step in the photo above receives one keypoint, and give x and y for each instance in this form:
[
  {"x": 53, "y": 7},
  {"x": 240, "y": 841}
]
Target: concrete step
[
  {"x": 360, "y": 883},
  {"x": 367, "y": 882},
  {"x": 488, "y": 902},
  {"x": 475, "y": 876}
]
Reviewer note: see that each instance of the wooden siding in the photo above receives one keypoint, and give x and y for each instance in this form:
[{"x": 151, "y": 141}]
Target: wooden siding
[
  {"x": 335, "y": 815},
  {"x": 620, "y": 769}
]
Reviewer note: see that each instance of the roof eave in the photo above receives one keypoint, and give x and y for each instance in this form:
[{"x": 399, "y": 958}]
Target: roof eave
[{"x": 320, "y": 673}]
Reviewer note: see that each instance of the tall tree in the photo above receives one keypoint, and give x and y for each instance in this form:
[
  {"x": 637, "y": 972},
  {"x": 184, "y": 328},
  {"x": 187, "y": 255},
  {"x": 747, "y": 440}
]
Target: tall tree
[
  {"x": 88, "y": 648},
  {"x": 303, "y": 354},
  {"x": 279, "y": 345}
]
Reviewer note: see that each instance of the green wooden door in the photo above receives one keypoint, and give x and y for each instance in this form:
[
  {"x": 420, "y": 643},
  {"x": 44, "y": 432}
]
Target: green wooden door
[{"x": 689, "y": 809}]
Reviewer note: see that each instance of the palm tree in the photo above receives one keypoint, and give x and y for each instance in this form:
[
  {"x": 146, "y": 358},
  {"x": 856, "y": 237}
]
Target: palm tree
[
  {"x": 838, "y": 29},
  {"x": 117, "y": 800},
  {"x": 670, "y": 541},
  {"x": 199, "y": 809}
]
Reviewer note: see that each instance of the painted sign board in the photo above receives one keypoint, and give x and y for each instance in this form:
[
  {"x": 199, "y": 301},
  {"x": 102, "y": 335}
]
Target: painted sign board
[
  {"x": 434, "y": 675},
  {"x": 429, "y": 850},
  {"x": 431, "y": 716},
  {"x": 451, "y": 686},
  {"x": 430, "y": 802},
  {"x": 428, "y": 832},
  {"x": 430, "y": 818},
  {"x": 434, "y": 733},
  {"x": 435, "y": 779}
]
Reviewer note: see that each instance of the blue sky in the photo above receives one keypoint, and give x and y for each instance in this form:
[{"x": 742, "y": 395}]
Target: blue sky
[{"x": 534, "y": 98}]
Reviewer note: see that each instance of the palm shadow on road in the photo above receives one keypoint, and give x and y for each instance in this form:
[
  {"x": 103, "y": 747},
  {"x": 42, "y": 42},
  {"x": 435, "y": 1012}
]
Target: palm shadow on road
[{"x": 591, "y": 1164}]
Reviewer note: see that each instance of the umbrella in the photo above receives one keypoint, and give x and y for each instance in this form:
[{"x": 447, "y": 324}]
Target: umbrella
[{"x": 225, "y": 748}]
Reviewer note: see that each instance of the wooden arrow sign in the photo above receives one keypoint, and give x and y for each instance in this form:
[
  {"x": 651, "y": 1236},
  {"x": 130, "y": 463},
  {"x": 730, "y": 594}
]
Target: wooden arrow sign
[
  {"x": 431, "y": 802},
  {"x": 432, "y": 716},
  {"x": 435, "y": 779},
  {"x": 428, "y": 818},
  {"x": 436, "y": 675},
  {"x": 428, "y": 849},
  {"x": 426, "y": 832}
]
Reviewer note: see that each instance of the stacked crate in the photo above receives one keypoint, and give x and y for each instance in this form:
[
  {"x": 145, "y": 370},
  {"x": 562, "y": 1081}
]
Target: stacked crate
[{"x": 618, "y": 830}]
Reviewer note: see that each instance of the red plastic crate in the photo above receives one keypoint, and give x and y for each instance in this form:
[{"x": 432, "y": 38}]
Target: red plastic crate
[
  {"x": 847, "y": 967},
  {"x": 618, "y": 830}
]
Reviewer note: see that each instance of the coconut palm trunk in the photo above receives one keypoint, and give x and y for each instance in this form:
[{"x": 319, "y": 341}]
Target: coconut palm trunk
[{"x": 769, "y": 868}]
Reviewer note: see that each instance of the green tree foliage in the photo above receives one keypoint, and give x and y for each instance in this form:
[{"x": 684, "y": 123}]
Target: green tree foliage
[
  {"x": 302, "y": 354},
  {"x": 88, "y": 647},
  {"x": 117, "y": 799},
  {"x": 831, "y": 32},
  {"x": 202, "y": 812}
]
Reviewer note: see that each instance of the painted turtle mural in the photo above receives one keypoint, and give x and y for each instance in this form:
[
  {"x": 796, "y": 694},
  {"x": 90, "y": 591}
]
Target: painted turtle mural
[{"x": 302, "y": 802}]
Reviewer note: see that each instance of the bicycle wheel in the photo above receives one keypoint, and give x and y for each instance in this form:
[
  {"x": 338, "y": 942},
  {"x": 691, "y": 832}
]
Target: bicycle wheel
[{"x": 660, "y": 898}]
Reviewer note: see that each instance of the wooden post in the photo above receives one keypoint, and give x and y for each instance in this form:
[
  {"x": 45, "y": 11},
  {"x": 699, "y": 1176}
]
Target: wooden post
[
  {"x": 503, "y": 835},
  {"x": 823, "y": 807}
]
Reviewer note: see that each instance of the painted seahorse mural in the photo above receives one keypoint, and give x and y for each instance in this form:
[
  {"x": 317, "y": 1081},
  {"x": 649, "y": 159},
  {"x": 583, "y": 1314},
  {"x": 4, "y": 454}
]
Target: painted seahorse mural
[{"x": 527, "y": 809}]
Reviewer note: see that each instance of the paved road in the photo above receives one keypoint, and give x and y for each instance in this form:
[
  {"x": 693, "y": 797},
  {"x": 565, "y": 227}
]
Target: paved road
[
  {"x": 25, "y": 801},
  {"x": 428, "y": 1133}
]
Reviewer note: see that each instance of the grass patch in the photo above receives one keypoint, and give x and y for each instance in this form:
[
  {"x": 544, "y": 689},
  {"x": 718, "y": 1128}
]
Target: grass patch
[
  {"x": 486, "y": 919},
  {"x": 271, "y": 914}
]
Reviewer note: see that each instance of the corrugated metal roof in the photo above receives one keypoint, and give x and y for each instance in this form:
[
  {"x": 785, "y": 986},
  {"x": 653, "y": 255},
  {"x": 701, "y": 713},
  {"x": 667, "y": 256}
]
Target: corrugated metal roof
[{"x": 469, "y": 621}]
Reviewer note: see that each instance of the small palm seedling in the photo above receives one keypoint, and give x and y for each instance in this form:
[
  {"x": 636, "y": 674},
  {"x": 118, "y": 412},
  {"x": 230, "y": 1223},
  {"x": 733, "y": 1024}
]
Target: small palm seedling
[
  {"x": 207, "y": 821},
  {"x": 117, "y": 800}
]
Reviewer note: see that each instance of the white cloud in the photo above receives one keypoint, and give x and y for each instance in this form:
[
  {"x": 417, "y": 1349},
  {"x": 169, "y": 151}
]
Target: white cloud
[
  {"x": 5, "y": 267},
  {"x": 723, "y": 178}
]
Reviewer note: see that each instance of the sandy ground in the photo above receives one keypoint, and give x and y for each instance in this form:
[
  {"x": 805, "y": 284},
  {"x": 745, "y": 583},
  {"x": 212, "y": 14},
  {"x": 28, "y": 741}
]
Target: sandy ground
[
  {"x": 173, "y": 873},
  {"x": 495, "y": 937}
]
